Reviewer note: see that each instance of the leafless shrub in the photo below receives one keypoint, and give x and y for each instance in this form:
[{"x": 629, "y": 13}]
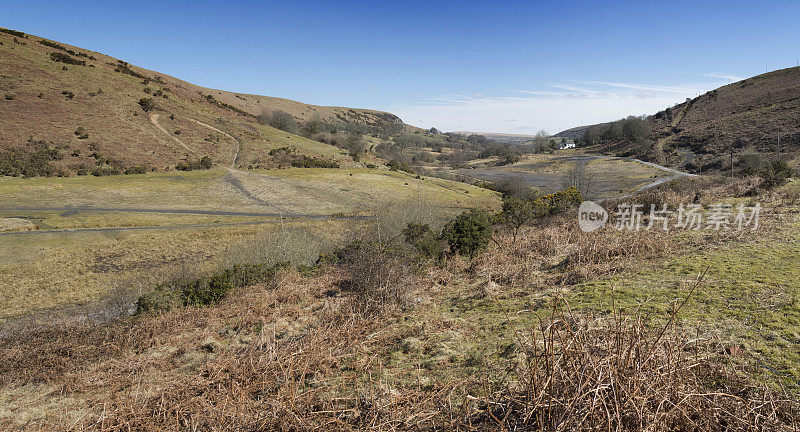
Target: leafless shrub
[
  {"x": 579, "y": 178},
  {"x": 619, "y": 374},
  {"x": 376, "y": 280}
]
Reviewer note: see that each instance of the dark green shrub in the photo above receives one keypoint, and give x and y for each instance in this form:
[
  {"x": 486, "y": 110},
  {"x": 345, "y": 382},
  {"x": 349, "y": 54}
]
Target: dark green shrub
[
  {"x": 105, "y": 171},
  {"x": 776, "y": 174},
  {"x": 33, "y": 161},
  {"x": 423, "y": 239},
  {"x": 81, "y": 133},
  {"x": 136, "y": 169},
  {"x": 18, "y": 34},
  {"x": 469, "y": 233},
  {"x": 68, "y": 94},
  {"x": 64, "y": 58},
  {"x": 206, "y": 290},
  {"x": 312, "y": 162},
  {"x": 122, "y": 67},
  {"x": 204, "y": 163},
  {"x": 281, "y": 151},
  {"x": 395, "y": 165},
  {"x": 146, "y": 104}
]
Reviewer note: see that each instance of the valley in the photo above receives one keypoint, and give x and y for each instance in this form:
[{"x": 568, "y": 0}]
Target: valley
[{"x": 175, "y": 257}]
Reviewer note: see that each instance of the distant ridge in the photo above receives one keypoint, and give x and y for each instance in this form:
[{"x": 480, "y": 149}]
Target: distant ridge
[{"x": 749, "y": 116}]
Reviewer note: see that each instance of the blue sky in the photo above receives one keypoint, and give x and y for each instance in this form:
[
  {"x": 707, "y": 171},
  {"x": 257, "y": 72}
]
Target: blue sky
[{"x": 514, "y": 67}]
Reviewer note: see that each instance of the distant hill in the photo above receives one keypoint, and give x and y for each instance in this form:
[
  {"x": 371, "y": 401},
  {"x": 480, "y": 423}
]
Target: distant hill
[
  {"x": 501, "y": 137},
  {"x": 748, "y": 115},
  {"x": 83, "y": 110}
]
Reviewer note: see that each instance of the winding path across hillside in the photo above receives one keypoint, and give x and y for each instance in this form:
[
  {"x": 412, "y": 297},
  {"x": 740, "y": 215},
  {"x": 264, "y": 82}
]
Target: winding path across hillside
[
  {"x": 154, "y": 119},
  {"x": 238, "y": 143}
]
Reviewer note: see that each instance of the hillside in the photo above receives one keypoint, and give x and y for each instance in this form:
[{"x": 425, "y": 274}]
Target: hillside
[
  {"x": 749, "y": 115},
  {"x": 80, "y": 110}
]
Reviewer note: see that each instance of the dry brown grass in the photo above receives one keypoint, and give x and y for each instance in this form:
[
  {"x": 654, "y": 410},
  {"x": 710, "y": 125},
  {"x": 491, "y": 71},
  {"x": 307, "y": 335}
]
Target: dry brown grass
[
  {"x": 615, "y": 374},
  {"x": 290, "y": 355},
  {"x": 299, "y": 354}
]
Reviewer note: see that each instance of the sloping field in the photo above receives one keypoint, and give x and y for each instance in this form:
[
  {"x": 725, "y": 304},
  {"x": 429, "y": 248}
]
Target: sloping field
[{"x": 78, "y": 239}]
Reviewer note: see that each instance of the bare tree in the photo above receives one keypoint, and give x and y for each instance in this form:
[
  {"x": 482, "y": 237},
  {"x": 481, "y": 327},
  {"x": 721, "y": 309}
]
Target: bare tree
[{"x": 579, "y": 178}]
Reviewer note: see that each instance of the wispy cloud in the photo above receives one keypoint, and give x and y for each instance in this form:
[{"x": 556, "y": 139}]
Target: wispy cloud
[
  {"x": 722, "y": 76},
  {"x": 644, "y": 87},
  {"x": 554, "y": 107}
]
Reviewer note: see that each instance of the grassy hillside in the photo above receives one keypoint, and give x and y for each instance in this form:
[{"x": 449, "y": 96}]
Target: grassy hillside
[
  {"x": 76, "y": 110},
  {"x": 748, "y": 116}
]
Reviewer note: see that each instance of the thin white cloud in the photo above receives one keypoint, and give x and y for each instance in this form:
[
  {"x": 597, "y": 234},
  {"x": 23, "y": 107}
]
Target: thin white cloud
[
  {"x": 722, "y": 76},
  {"x": 634, "y": 86},
  {"x": 561, "y": 106}
]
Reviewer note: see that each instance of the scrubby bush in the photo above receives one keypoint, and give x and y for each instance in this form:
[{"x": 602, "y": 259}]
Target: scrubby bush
[
  {"x": 81, "y": 133},
  {"x": 469, "y": 233},
  {"x": 279, "y": 120},
  {"x": 64, "y": 58},
  {"x": 146, "y": 104},
  {"x": 206, "y": 290},
  {"x": 18, "y": 34},
  {"x": 750, "y": 164},
  {"x": 395, "y": 165},
  {"x": 136, "y": 169},
  {"x": 204, "y": 163},
  {"x": 355, "y": 146},
  {"x": 35, "y": 161},
  {"x": 776, "y": 174},
  {"x": 374, "y": 277},
  {"x": 420, "y": 236},
  {"x": 122, "y": 67},
  {"x": 105, "y": 171},
  {"x": 313, "y": 162}
]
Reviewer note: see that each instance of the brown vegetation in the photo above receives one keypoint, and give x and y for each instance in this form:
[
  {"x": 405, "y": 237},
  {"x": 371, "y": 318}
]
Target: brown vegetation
[{"x": 315, "y": 351}]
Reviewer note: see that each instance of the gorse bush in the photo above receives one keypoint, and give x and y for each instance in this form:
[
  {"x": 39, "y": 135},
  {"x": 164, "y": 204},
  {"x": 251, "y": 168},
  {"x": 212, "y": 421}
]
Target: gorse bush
[
  {"x": 64, "y": 58},
  {"x": 18, "y": 34},
  {"x": 81, "y": 133},
  {"x": 313, "y": 162},
  {"x": 204, "y": 163},
  {"x": 122, "y": 67},
  {"x": 424, "y": 240},
  {"x": 36, "y": 162},
  {"x": 206, "y": 290},
  {"x": 469, "y": 233},
  {"x": 65, "y": 49},
  {"x": 146, "y": 104},
  {"x": 776, "y": 174},
  {"x": 521, "y": 209},
  {"x": 395, "y": 165}
]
